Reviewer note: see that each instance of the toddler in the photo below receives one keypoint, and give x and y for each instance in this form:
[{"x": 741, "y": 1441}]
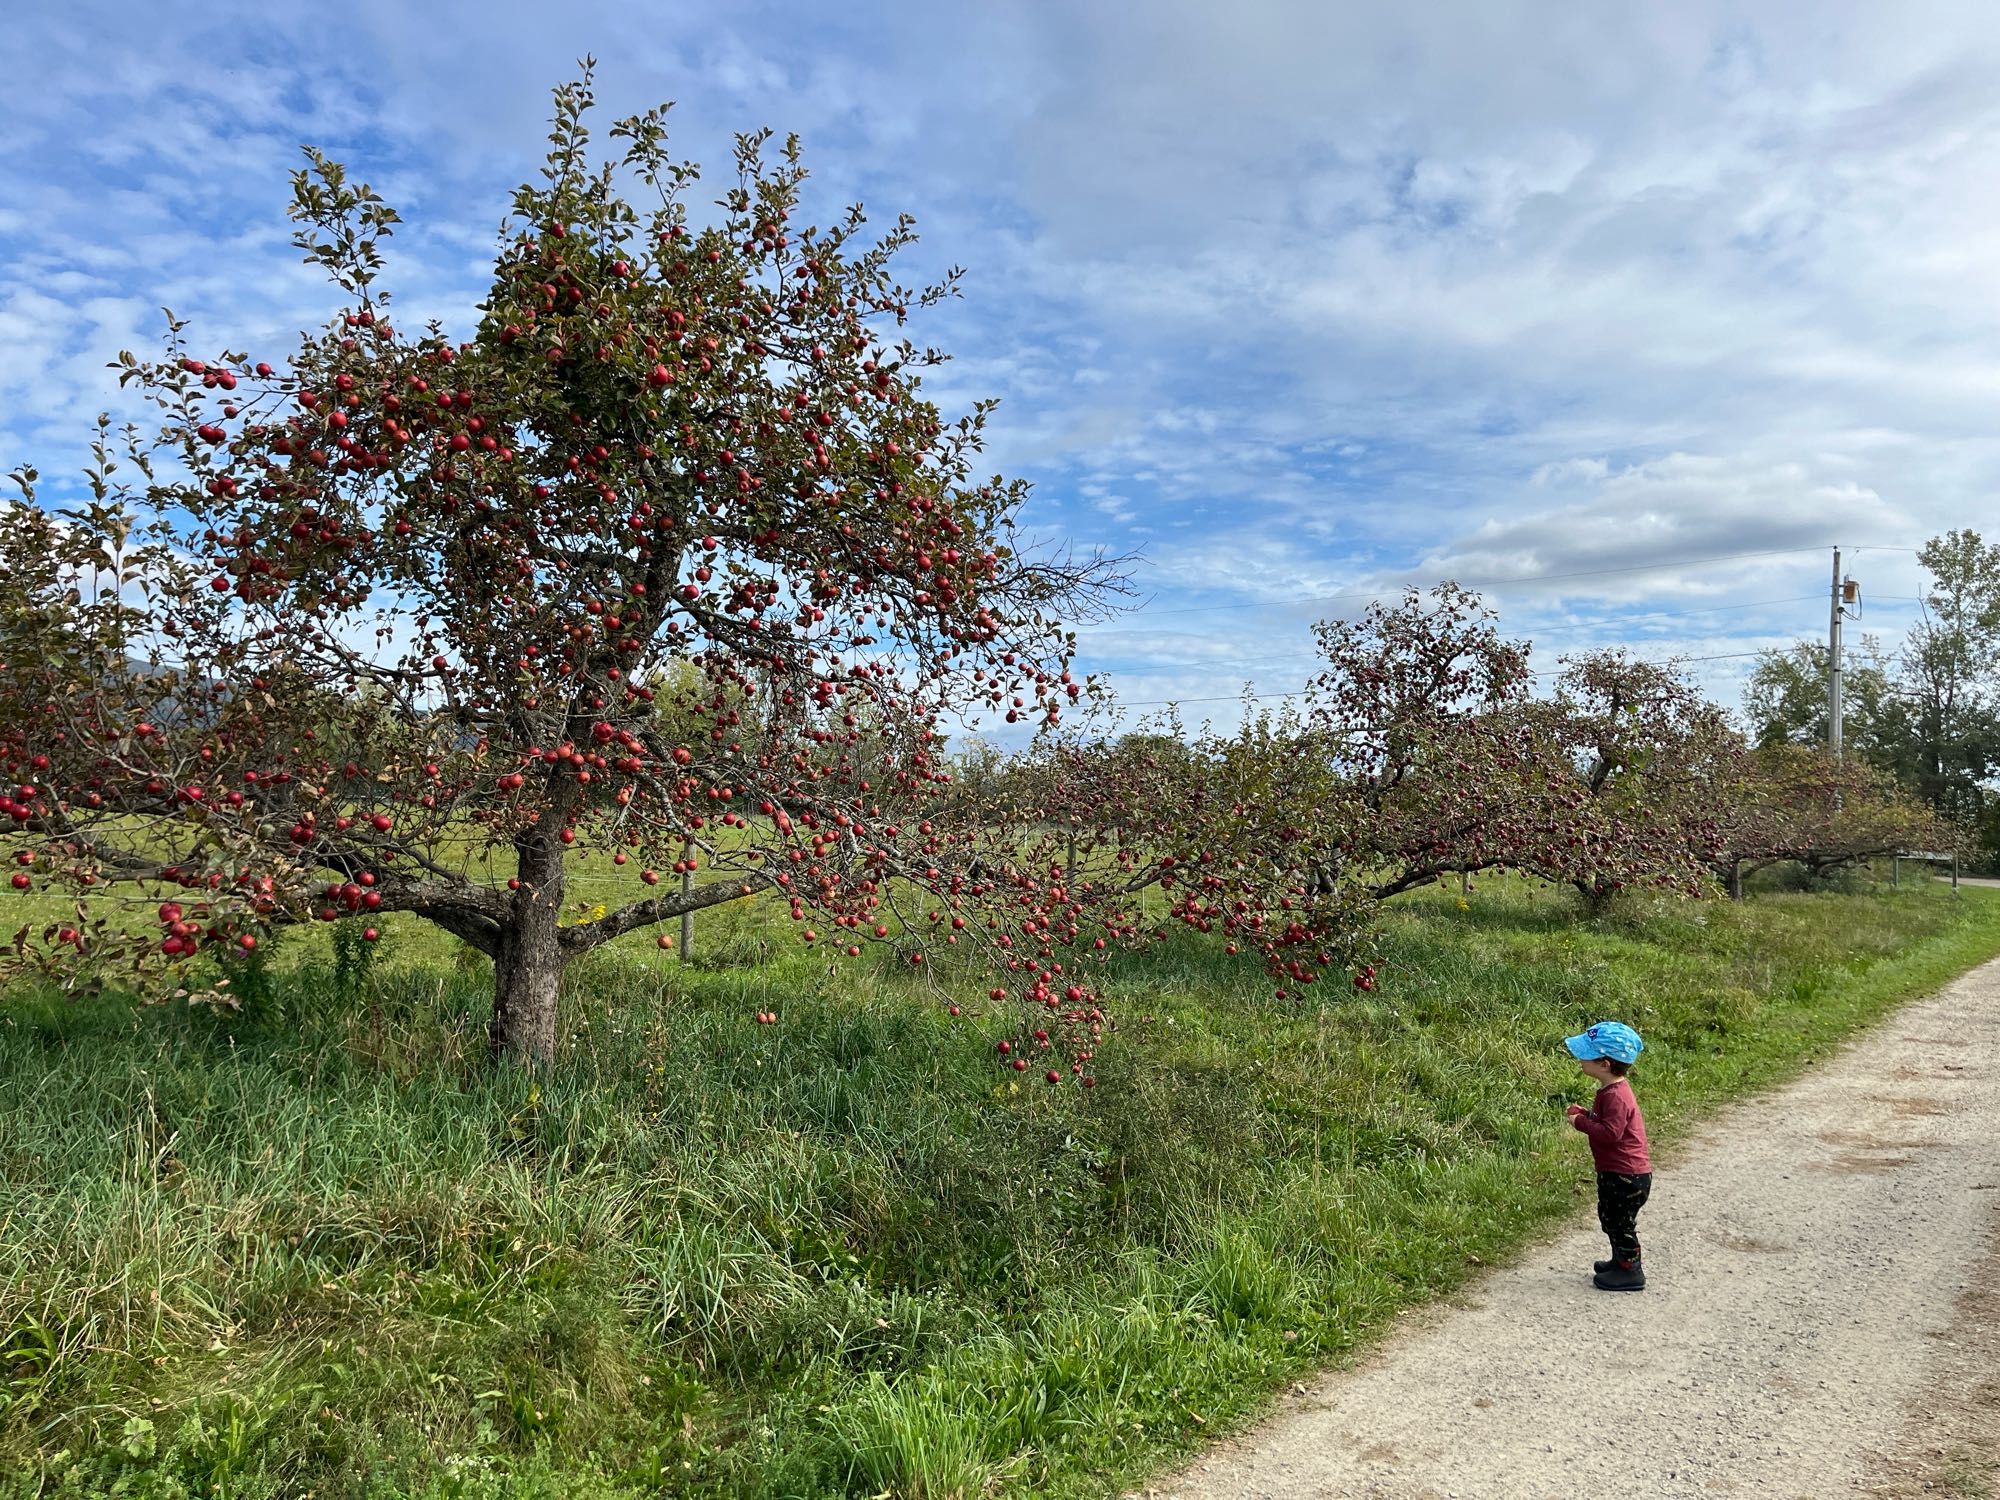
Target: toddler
[{"x": 1617, "y": 1134}]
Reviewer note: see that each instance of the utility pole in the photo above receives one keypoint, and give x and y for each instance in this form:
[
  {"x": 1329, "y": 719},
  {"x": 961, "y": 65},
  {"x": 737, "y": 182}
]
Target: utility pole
[{"x": 1833, "y": 665}]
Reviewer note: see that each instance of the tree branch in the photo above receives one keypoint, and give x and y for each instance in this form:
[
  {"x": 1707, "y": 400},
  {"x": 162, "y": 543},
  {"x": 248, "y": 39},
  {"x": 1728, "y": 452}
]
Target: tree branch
[{"x": 588, "y": 935}]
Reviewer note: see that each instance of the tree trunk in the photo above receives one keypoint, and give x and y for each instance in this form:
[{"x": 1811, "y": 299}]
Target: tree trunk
[
  {"x": 1596, "y": 897},
  {"x": 1736, "y": 880},
  {"x": 528, "y": 968}
]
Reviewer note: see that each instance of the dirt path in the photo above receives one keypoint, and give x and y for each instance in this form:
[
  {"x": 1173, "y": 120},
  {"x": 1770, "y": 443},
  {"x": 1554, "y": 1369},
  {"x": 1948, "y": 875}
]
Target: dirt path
[{"x": 1819, "y": 1320}]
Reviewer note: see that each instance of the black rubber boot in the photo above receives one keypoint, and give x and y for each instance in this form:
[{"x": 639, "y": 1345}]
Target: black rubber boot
[
  {"x": 1601, "y": 1266},
  {"x": 1622, "y": 1276}
]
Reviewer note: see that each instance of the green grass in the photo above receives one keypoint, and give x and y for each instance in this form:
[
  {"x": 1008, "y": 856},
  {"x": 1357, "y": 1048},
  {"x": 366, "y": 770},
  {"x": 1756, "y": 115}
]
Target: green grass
[{"x": 319, "y": 1247}]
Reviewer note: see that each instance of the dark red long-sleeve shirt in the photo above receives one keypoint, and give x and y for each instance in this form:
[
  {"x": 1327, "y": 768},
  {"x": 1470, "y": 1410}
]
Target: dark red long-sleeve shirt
[{"x": 1616, "y": 1129}]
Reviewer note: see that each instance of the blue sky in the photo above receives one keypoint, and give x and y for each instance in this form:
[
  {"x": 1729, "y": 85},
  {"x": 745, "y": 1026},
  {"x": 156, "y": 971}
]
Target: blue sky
[{"x": 1302, "y": 302}]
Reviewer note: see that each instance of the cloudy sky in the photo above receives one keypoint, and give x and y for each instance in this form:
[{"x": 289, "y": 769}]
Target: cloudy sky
[{"x": 1625, "y": 313}]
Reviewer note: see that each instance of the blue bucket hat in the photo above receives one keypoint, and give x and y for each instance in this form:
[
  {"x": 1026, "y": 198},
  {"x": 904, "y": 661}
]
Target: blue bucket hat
[{"x": 1612, "y": 1039}]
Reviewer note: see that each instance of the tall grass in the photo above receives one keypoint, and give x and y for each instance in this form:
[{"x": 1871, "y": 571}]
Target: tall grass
[{"x": 317, "y": 1246}]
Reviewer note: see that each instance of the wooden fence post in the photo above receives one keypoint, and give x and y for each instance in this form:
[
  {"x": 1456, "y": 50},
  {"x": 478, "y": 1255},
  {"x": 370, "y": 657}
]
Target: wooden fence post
[{"x": 687, "y": 917}]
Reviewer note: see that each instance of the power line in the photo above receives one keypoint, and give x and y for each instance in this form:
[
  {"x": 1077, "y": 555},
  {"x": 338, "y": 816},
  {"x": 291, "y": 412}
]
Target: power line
[{"x": 1687, "y": 562}]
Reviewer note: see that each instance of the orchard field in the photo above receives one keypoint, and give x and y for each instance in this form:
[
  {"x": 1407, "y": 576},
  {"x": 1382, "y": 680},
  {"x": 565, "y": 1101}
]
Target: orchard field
[
  {"x": 1018, "y": 1117},
  {"x": 319, "y": 1246}
]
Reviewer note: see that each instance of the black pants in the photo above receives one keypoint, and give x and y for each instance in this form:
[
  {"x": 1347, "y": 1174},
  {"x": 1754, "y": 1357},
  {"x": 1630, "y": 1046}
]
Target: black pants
[{"x": 1619, "y": 1199}]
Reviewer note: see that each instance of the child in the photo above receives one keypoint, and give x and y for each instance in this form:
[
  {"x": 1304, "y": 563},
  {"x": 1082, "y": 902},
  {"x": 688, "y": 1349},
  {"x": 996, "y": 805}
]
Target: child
[{"x": 1618, "y": 1143}]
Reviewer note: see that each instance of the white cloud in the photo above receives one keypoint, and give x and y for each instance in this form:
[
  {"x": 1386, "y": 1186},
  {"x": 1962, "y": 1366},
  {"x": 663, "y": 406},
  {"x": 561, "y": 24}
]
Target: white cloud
[{"x": 1684, "y": 507}]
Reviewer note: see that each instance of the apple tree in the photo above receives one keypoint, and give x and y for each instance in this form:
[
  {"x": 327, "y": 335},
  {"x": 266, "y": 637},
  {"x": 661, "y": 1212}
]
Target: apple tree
[
  {"x": 1420, "y": 703},
  {"x": 666, "y": 561},
  {"x": 1797, "y": 803},
  {"x": 1642, "y": 770},
  {"x": 1611, "y": 782}
]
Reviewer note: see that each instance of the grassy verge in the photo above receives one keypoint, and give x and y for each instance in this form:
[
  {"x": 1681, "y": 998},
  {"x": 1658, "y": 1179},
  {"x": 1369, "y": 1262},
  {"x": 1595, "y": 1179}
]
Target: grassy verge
[{"x": 317, "y": 1247}]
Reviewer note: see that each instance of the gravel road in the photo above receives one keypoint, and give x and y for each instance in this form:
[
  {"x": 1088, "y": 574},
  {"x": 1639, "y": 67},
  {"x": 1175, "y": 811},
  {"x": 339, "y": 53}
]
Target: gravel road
[{"x": 1818, "y": 1261}]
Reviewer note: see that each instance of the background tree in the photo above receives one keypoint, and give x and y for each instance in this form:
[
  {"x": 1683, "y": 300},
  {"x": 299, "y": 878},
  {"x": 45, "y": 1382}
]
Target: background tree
[
  {"x": 1646, "y": 764},
  {"x": 1454, "y": 767},
  {"x": 1797, "y": 803},
  {"x": 1785, "y": 700},
  {"x": 1419, "y": 702},
  {"x": 1951, "y": 674},
  {"x": 669, "y": 560}
]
